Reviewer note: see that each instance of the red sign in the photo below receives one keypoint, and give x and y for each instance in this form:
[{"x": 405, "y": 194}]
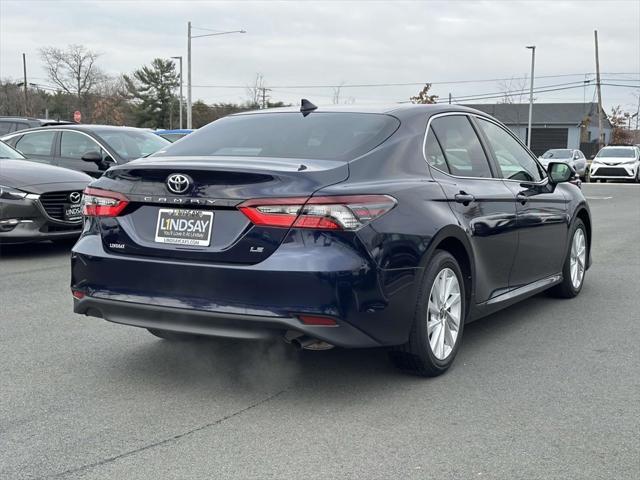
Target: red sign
[{"x": 77, "y": 116}]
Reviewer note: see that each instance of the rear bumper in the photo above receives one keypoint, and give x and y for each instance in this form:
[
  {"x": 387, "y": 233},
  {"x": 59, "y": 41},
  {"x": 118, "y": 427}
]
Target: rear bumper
[
  {"x": 250, "y": 327},
  {"x": 372, "y": 306}
]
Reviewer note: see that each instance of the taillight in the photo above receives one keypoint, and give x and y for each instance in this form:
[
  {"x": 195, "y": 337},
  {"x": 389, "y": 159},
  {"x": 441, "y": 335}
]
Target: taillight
[
  {"x": 102, "y": 203},
  {"x": 346, "y": 212}
]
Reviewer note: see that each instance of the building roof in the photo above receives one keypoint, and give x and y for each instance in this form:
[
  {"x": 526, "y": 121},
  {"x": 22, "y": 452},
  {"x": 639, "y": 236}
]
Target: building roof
[{"x": 544, "y": 113}]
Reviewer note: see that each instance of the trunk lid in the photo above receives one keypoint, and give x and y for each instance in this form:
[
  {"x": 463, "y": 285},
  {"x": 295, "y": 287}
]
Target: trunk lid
[{"x": 217, "y": 186}]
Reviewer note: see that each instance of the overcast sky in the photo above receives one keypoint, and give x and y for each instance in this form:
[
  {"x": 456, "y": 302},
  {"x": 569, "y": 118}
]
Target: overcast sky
[{"x": 298, "y": 43}]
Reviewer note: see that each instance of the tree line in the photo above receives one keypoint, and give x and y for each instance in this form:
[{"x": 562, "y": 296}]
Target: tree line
[{"x": 147, "y": 97}]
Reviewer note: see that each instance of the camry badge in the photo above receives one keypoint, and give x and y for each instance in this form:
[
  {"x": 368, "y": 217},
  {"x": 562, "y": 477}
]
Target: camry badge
[
  {"x": 75, "y": 197},
  {"x": 178, "y": 183}
]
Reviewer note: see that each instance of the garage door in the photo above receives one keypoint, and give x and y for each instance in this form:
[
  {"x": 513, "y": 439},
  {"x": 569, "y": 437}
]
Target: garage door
[{"x": 542, "y": 139}]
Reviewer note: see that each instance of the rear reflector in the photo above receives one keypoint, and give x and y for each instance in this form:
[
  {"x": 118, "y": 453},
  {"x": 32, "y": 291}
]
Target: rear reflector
[
  {"x": 313, "y": 320},
  {"x": 346, "y": 212},
  {"x": 102, "y": 203},
  {"x": 77, "y": 294}
]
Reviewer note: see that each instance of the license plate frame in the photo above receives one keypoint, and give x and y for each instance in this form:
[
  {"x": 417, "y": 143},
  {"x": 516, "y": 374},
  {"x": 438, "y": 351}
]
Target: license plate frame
[
  {"x": 179, "y": 231},
  {"x": 72, "y": 212}
]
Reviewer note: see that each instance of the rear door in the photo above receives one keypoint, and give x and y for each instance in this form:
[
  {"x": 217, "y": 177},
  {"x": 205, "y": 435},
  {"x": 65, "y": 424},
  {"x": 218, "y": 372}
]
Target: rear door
[
  {"x": 543, "y": 221},
  {"x": 483, "y": 204}
]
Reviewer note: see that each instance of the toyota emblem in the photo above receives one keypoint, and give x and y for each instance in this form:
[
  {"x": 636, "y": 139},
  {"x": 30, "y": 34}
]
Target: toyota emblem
[
  {"x": 75, "y": 197},
  {"x": 178, "y": 183}
]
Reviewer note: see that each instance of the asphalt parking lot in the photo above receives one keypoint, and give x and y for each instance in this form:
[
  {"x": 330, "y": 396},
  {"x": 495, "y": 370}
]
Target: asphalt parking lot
[{"x": 546, "y": 389}]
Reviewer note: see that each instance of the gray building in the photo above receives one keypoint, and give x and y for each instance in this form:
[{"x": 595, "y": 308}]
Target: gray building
[{"x": 554, "y": 125}]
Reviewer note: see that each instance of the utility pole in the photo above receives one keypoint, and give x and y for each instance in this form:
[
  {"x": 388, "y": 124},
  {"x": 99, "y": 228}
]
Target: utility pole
[
  {"x": 189, "y": 117},
  {"x": 180, "y": 58},
  {"x": 599, "y": 90},
  {"x": 533, "y": 63},
  {"x": 24, "y": 69},
  {"x": 189, "y": 37},
  {"x": 264, "y": 96}
]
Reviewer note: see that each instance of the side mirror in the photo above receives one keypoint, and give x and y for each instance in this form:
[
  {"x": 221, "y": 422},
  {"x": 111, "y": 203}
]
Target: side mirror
[
  {"x": 92, "y": 156},
  {"x": 576, "y": 156},
  {"x": 560, "y": 172}
]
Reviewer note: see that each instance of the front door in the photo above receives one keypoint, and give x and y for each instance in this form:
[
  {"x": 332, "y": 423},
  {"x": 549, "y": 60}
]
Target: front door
[{"x": 543, "y": 221}]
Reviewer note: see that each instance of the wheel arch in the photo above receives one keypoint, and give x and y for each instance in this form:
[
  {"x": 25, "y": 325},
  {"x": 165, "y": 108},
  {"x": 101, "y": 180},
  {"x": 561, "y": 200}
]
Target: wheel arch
[
  {"x": 583, "y": 214},
  {"x": 453, "y": 240}
]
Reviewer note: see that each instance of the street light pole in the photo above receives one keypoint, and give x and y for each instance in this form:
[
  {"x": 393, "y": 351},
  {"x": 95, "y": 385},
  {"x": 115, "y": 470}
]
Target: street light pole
[
  {"x": 180, "y": 58},
  {"x": 533, "y": 63},
  {"x": 189, "y": 37}
]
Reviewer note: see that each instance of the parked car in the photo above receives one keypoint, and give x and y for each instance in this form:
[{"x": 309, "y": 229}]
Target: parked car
[
  {"x": 575, "y": 158},
  {"x": 616, "y": 163},
  {"x": 12, "y": 124},
  {"x": 38, "y": 202},
  {"x": 88, "y": 148},
  {"x": 347, "y": 226},
  {"x": 173, "y": 135}
]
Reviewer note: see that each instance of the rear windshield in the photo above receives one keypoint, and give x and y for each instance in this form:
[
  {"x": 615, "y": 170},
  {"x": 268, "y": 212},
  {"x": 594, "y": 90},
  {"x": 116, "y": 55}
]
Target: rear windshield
[
  {"x": 321, "y": 136},
  {"x": 557, "y": 153},
  {"x": 617, "y": 152}
]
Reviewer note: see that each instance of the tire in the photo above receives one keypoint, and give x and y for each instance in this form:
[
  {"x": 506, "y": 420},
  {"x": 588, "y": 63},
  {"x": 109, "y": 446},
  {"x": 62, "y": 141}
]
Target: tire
[
  {"x": 569, "y": 287},
  {"x": 418, "y": 356},
  {"x": 174, "y": 336}
]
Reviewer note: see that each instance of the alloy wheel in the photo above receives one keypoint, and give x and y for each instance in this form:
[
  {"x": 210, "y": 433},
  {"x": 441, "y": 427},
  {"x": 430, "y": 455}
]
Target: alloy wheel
[
  {"x": 444, "y": 313},
  {"x": 578, "y": 258}
]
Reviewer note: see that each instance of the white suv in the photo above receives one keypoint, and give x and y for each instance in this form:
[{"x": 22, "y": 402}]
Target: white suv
[{"x": 616, "y": 163}]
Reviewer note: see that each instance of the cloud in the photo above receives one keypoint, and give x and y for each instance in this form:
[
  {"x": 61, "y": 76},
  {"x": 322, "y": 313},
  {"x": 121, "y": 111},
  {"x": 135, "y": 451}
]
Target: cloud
[{"x": 330, "y": 42}]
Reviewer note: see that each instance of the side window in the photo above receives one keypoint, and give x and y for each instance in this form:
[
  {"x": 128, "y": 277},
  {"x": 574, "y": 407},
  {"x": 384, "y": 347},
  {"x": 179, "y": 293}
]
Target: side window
[
  {"x": 5, "y": 127},
  {"x": 433, "y": 152},
  {"x": 75, "y": 145},
  {"x": 513, "y": 159},
  {"x": 37, "y": 143},
  {"x": 462, "y": 148}
]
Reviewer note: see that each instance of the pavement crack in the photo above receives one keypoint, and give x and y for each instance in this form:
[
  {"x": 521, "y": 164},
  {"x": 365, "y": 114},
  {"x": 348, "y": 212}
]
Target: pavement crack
[{"x": 166, "y": 441}]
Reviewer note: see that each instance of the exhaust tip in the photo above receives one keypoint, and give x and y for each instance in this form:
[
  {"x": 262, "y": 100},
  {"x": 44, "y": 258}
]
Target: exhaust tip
[{"x": 308, "y": 343}]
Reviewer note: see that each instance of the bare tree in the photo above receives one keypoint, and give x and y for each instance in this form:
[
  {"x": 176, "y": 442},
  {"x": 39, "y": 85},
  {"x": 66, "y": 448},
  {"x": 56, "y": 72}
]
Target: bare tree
[
  {"x": 513, "y": 90},
  {"x": 336, "y": 93},
  {"x": 73, "y": 69},
  {"x": 258, "y": 93}
]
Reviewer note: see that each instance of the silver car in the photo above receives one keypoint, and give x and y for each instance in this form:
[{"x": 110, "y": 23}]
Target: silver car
[{"x": 575, "y": 158}]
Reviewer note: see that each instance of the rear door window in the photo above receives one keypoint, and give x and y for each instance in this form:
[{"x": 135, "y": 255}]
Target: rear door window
[
  {"x": 463, "y": 151},
  {"x": 36, "y": 144},
  {"x": 433, "y": 152}
]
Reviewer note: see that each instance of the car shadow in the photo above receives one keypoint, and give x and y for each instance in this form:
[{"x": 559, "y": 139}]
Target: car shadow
[{"x": 248, "y": 366}]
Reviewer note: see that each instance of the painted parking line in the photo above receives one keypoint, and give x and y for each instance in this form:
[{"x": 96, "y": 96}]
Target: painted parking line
[{"x": 598, "y": 198}]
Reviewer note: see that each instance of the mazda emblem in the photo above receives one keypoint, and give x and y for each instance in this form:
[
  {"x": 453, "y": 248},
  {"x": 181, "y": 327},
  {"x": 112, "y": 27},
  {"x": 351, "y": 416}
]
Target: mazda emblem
[
  {"x": 178, "y": 183},
  {"x": 75, "y": 197}
]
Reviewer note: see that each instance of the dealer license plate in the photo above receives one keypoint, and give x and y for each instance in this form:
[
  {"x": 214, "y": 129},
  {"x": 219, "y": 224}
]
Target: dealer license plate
[{"x": 184, "y": 227}]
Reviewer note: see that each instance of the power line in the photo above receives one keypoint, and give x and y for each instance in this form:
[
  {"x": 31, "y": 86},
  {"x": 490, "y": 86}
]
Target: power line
[{"x": 413, "y": 84}]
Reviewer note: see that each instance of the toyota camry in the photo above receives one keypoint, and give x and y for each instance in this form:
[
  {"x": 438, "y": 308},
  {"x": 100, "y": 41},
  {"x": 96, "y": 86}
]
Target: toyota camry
[{"x": 342, "y": 226}]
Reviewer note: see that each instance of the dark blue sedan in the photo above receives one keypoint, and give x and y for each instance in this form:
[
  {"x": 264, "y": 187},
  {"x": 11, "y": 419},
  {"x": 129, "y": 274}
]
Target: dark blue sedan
[{"x": 350, "y": 227}]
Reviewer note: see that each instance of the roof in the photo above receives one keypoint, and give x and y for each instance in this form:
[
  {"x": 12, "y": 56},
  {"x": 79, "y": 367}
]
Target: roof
[
  {"x": 398, "y": 109},
  {"x": 543, "y": 113}
]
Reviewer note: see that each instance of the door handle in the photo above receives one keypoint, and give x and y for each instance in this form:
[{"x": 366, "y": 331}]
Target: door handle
[
  {"x": 464, "y": 198},
  {"x": 522, "y": 198}
]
